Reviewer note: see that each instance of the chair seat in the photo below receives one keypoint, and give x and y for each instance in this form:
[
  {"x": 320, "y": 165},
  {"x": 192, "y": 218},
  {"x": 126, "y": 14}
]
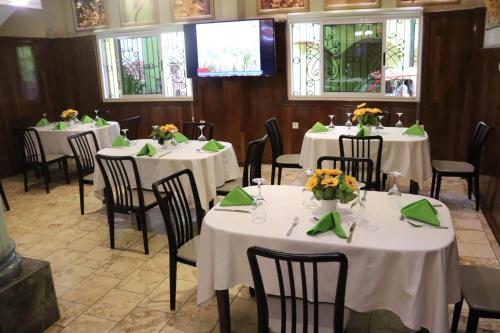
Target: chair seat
[
  {"x": 481, "y": 287},
  {"x": 189, "y": 251},
  {"x": 89, "y": 178},
  {"x": 452, "y": 166},
  {"x": 229, "y": 185},
  {"x": 288, "y": 159},
  {"x": 54, "y": 157},
  {"x": 149, "y": 198}
]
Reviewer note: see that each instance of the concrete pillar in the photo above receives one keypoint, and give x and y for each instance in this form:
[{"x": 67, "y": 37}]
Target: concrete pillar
[{"x": 9, "y": 260}]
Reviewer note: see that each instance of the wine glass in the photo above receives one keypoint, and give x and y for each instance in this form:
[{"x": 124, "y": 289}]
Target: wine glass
[
  {"x": 308, "y": 198},
  {"x": 259, "y": 212},
  {"x": 380, "y": 126},
  {"x": 201, "y": 137},
  {"x": 348, "y": 123},
  {"x": 44, "y": 117},
  {"x": 259, "y": 182},
  {"x": 96, "y": 115},
  {"x": 399, "y": 123},
  {"x": 331, "y": 126},
  {"x": 394, "y": 190},
  {"x": 127, "y": 141}
]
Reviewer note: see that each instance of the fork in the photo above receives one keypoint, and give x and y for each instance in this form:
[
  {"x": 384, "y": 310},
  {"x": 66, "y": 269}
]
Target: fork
[
  {"x": 425, "y": 226},
  {"x": 294, "y": 224}
]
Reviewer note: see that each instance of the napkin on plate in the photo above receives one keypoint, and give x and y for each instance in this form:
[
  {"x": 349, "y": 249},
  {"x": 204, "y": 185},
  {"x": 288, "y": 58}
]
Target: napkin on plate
[
  {"x": 422, "y": 211},
  {"x": 101, "y": 122},
  {"x": 42, "y": 122},
  {"x": 329, "y": 221},
  {"x": 318, "y": 128},
  {"x": 60, "y": 125},
  {"x": 212, "y": 146},
  {"x": 120, "y": 141},
  {"x": 237, "y": 197},
  {"x": 147, "y": 149},
  {"x": 180, "y": 138},
  {"x": 87, "y": 120},
  {"x": 415, "y": 130}
]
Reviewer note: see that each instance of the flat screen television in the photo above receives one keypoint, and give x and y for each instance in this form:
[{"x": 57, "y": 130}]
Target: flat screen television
[{"x": 233, "y": 48}]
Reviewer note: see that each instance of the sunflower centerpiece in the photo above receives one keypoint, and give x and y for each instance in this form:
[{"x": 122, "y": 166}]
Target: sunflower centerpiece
[
  {"x": 330, "y": 186},
  {"x": 70, "y": 116},
  {"x": 164, "y": 134},
  {"x": 367, "y": 117}
]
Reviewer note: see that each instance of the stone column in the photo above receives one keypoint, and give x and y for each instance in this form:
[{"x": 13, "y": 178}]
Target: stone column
[{"x": 9, "y": 260}]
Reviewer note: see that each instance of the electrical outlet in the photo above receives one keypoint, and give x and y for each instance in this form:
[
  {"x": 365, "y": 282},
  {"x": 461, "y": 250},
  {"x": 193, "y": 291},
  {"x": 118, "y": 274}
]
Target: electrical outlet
[{"x": 295, "y": 125}]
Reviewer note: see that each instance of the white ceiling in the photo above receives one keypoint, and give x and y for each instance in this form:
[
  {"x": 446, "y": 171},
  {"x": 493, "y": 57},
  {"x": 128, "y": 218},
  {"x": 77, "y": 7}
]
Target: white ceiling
[
  {"x": 37, "y": 4},
  {"x": 5, "y": 12}
]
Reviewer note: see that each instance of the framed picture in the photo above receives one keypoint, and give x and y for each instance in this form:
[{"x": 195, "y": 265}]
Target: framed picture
[
  {"x": 492, "y": 14},
  {"x": 402, "y": 3},
  {"x": 351, "y": 4},
  {"x": 138, "y": 12},
  {"x": 282, "y": 6},
  {"x": 89, "y": 14},
  {"x": 190, "y": 10}
]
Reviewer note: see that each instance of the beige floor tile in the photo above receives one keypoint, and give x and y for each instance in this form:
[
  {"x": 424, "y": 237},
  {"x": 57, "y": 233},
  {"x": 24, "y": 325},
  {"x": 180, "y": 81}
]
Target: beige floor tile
[
  {"x": 87, "y": 324},
  {"x": 158, "y": 263},
  {"x": 156, "y": 244},
  {"x": 63, "y": 257},
  {"x": 187, "y": 272},
  {"x": 54, "y": 329},
  {"x": 472, "y": 236},
  {"x": 90, "y": 290},
  {"x": 69, "y": 311},
  {"x": 159, "y": 298},
  {"x": 98, "y": 257},
  {"x": 476, "y": 250},
  {"x": 71, "y": 275},
  {"x": 115, "y": 305},
  {"x": 142, "y": 281},
  {"x": 192, "y": 318},
  {"x": 141, "y": 320},
  {"x": 120, "y": 267},
  {"x": 82, "y": 244}
]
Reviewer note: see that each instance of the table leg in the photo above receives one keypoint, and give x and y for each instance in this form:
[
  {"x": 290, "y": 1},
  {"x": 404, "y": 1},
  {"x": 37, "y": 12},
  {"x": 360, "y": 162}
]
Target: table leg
[
  {"x": 224, "y": 311},
  {"x": 414, "y": 188}
]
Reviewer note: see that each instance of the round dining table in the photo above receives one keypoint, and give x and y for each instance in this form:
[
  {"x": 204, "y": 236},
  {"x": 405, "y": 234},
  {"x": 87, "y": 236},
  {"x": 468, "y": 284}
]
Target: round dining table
[
  {"x": 411, "y": 271},
  {"x": 408, "y": 154},
  {"x": 210, "y": 169}
]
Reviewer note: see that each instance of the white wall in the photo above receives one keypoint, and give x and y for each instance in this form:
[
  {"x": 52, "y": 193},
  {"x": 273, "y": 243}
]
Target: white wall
[{"x": 492, "y": 38}]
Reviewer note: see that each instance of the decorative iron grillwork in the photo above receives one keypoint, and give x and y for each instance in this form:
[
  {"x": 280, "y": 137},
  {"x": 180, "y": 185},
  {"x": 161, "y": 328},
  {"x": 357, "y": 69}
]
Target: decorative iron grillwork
[
  {"x": 305, "y": 57},
  {"x": 176, "y": 80}
]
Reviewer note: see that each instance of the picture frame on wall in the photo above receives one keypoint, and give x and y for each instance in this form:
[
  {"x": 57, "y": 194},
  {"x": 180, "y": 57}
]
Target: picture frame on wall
[
  {"x": 351, "y": 4},
  {"x": 402, "y": 3},
  {"x": 89, "y": 14},
  {"x": 492, "y": 14},
  {"x": 282, "y": 6},
  {"x": 138, "y": 12},
  {"x": 192, "y": 10}
]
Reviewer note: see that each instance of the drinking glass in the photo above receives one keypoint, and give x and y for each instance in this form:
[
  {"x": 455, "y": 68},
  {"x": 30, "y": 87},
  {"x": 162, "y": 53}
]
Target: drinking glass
[
  {"x": 201, "y": 137},
  {"x": 331, "y": 126},
  {"x": 358, "y": 207},
  {"x": 380, "y": 126},
  {"x": 96, "y": 114},
  {"x": 44, "y": 116},
  {"x": 259, "y": 212},
  {"x": 394, "y": 190},
  {"x": 308, "y": 199},
  {"x": 348, "y": 123},
  {"x": 399, "y": 123},
  {"x": 259, "y": 182},
  {"x": 127, "y": 141}
]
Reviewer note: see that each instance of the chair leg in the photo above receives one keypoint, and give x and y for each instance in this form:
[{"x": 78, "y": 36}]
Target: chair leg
[
  {"x": 438, "y": 186},
  {"x": 469, "y": 188},
  {"x": 80, "y": 189},
  {"x": 279, "y": 175},
  {"x": 46, "y": 177},
  {"x": 456, "y": 315},
  {"x": 472, "y": 322},
  {"x": 173, "y": 281},
  {"x": 65, "y": 166},
  {"x": 476, "y": 190},
  {"x": 144, "y": 232},
  {"x": 4, "y": 198},
  {"x": 111, "y": 225},
  {"x": 138, "y": 221},
  {"x": 25, "y": 176},
  {"x": 273, "y": 173},
  {"x": 433, "y": 184},
  {"x": 251, "y": 291}
]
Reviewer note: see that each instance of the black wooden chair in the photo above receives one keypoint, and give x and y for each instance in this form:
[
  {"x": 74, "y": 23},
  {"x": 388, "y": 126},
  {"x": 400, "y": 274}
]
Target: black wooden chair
[
  {"x": 469, "y": 169},
  {"x": 311, "y": 315},
  {"x": 124, "y": 193},
  {"x": 4, "y": 197},
  {"x": 361, "y": 168},
  {"x": 191, "y": 131},
  {"x": 251, "y": 168},
  {"x": 481, "y": 291},
  {"x": 364, "y": 147},
  {"x": 280, "y": 160},
  {"x": 36, "y": 159},
  {"x": 180, "y": 221},
  {"x": 84, "y": 147},
  {"x": 132, "y": 124}
]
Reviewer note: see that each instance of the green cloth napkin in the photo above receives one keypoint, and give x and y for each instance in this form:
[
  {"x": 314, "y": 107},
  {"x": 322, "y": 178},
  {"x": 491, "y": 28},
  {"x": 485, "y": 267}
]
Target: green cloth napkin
[
  {"x": 180, "y": 138},
  {"x": 120, "y": 141},
  {"x": 329, "y": 221},
  {"x": 148, "y": 149},
  {"x": 318, "y": 128},
  {"x": 42, "y": 122},
  {"x": 87, "y": 120},
  {"x": 422, "y": 211},
  {"x": 415, "y": 130},
  {"x": 361, "y": 132},
  {"x": 101, "y": 122},
  {"x": 60, "y": 125},
  {"x": 212, "y": 146},
  {"x": 237, "y": 197}
]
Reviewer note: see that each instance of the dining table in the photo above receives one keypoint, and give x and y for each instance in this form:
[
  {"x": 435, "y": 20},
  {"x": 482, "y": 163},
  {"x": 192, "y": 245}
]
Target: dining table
[
  {"x": 407, "y": 154},
  {"x": 393, "y": 265},
  {"x": 210, "y": 169}
]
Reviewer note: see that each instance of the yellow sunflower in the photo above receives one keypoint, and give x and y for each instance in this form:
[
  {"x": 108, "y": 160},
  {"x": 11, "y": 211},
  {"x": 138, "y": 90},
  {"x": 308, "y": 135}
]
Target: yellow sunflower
[
  {"x": 311, "y": 183},
  {"x": 330, "y": 181},
  {"x": 361, "y": 105},
  {"x": 351, "y": 181},
  {"x": 168, "y": 128}
]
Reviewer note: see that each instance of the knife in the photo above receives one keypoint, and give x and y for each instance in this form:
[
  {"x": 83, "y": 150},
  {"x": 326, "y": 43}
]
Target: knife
[
  {"x": 351, "y": 231},
  {"x": 168, "y": 152},
  {"x": 233, "y": 210}
]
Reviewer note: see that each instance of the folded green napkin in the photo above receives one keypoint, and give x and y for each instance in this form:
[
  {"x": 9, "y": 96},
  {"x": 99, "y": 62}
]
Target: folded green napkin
[
  {"x": 318, "y": 128},
  {"x": 60, "y": 125},
  {"x": 42, "y": 122},
  {"x": 212, "y": 146},
  {"x": 120, "y": 141},
  {"x": 415, "y": 130},
  {"x": 361, "y": 132},
  {"x": 101, "y": 122},
  {"x": 180, "y": 138},
  {"x": 87, "y": 120},
  {"x": 237, "y": 197},
  {"x": 329, "y": 221},
  {"x": 422, "y": 211},
  {"x": 148, "y": 149}
]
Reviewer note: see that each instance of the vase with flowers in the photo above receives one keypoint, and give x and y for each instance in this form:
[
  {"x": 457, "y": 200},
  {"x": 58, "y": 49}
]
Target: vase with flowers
[
  {"x": 164, "y": 134},
  {"x": 70, "y": 117},
  {"x": 366, "y": 117}
]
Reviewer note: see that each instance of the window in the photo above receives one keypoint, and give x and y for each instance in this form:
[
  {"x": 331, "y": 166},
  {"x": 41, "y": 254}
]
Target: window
[
  {"x": 339, "y": 57},
  {"x": 27, "y": 71},
  {"x": 145, "y": 67}
]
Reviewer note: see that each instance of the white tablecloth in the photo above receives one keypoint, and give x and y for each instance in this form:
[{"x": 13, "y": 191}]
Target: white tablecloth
[
  {"x": 409, "y": 155},
  {"x": 56, "y": 142},
  {"x": 412, "y": 272},
  {"x": 210, "y": 170}
]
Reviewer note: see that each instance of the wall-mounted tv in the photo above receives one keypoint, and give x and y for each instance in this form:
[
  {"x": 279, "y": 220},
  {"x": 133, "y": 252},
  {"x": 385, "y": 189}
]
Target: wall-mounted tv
[{"x": 233, "y": 48}]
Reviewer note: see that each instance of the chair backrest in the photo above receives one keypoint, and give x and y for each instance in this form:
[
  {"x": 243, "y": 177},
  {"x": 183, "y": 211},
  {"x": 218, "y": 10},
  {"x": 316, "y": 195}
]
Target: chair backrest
[
  {"x": 32, "y": 146},
  {"x": 132, "y": 124},
  {"x": 121, "y": 177},
  {"x": 253, "y": 160},
  {"x": 364, "y": 147},
  {"x": 192, "y": 131},
  {"x": 361, "y": 168},
  {"x": 476, "y": 146},
  {"x": 172, "y": 197},
  {"x": 273, "y": 131},
  {"x": 84, "y": 147},
  {"x": 294, "y": 279}
]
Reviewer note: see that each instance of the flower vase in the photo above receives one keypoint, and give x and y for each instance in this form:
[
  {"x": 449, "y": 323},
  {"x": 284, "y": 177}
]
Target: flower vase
[
  {"x": 327, "y": 206},
  {"x": 367, "y": 130},
  {"x": 70, "y": 123}
]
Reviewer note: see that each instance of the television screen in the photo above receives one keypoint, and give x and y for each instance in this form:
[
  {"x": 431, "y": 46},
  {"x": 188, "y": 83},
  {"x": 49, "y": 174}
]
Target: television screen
[{"x": 236, "y": 48}]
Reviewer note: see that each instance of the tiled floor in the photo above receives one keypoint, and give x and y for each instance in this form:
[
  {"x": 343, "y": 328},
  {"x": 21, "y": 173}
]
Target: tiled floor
[{"x": 123, "y": 290}]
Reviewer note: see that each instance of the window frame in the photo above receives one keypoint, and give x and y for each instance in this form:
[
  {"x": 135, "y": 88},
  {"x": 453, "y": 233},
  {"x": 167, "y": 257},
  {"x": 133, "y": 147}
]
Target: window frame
[
  {"x": 348, "y": 17},
  {"x": 137, "y": 33}
]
